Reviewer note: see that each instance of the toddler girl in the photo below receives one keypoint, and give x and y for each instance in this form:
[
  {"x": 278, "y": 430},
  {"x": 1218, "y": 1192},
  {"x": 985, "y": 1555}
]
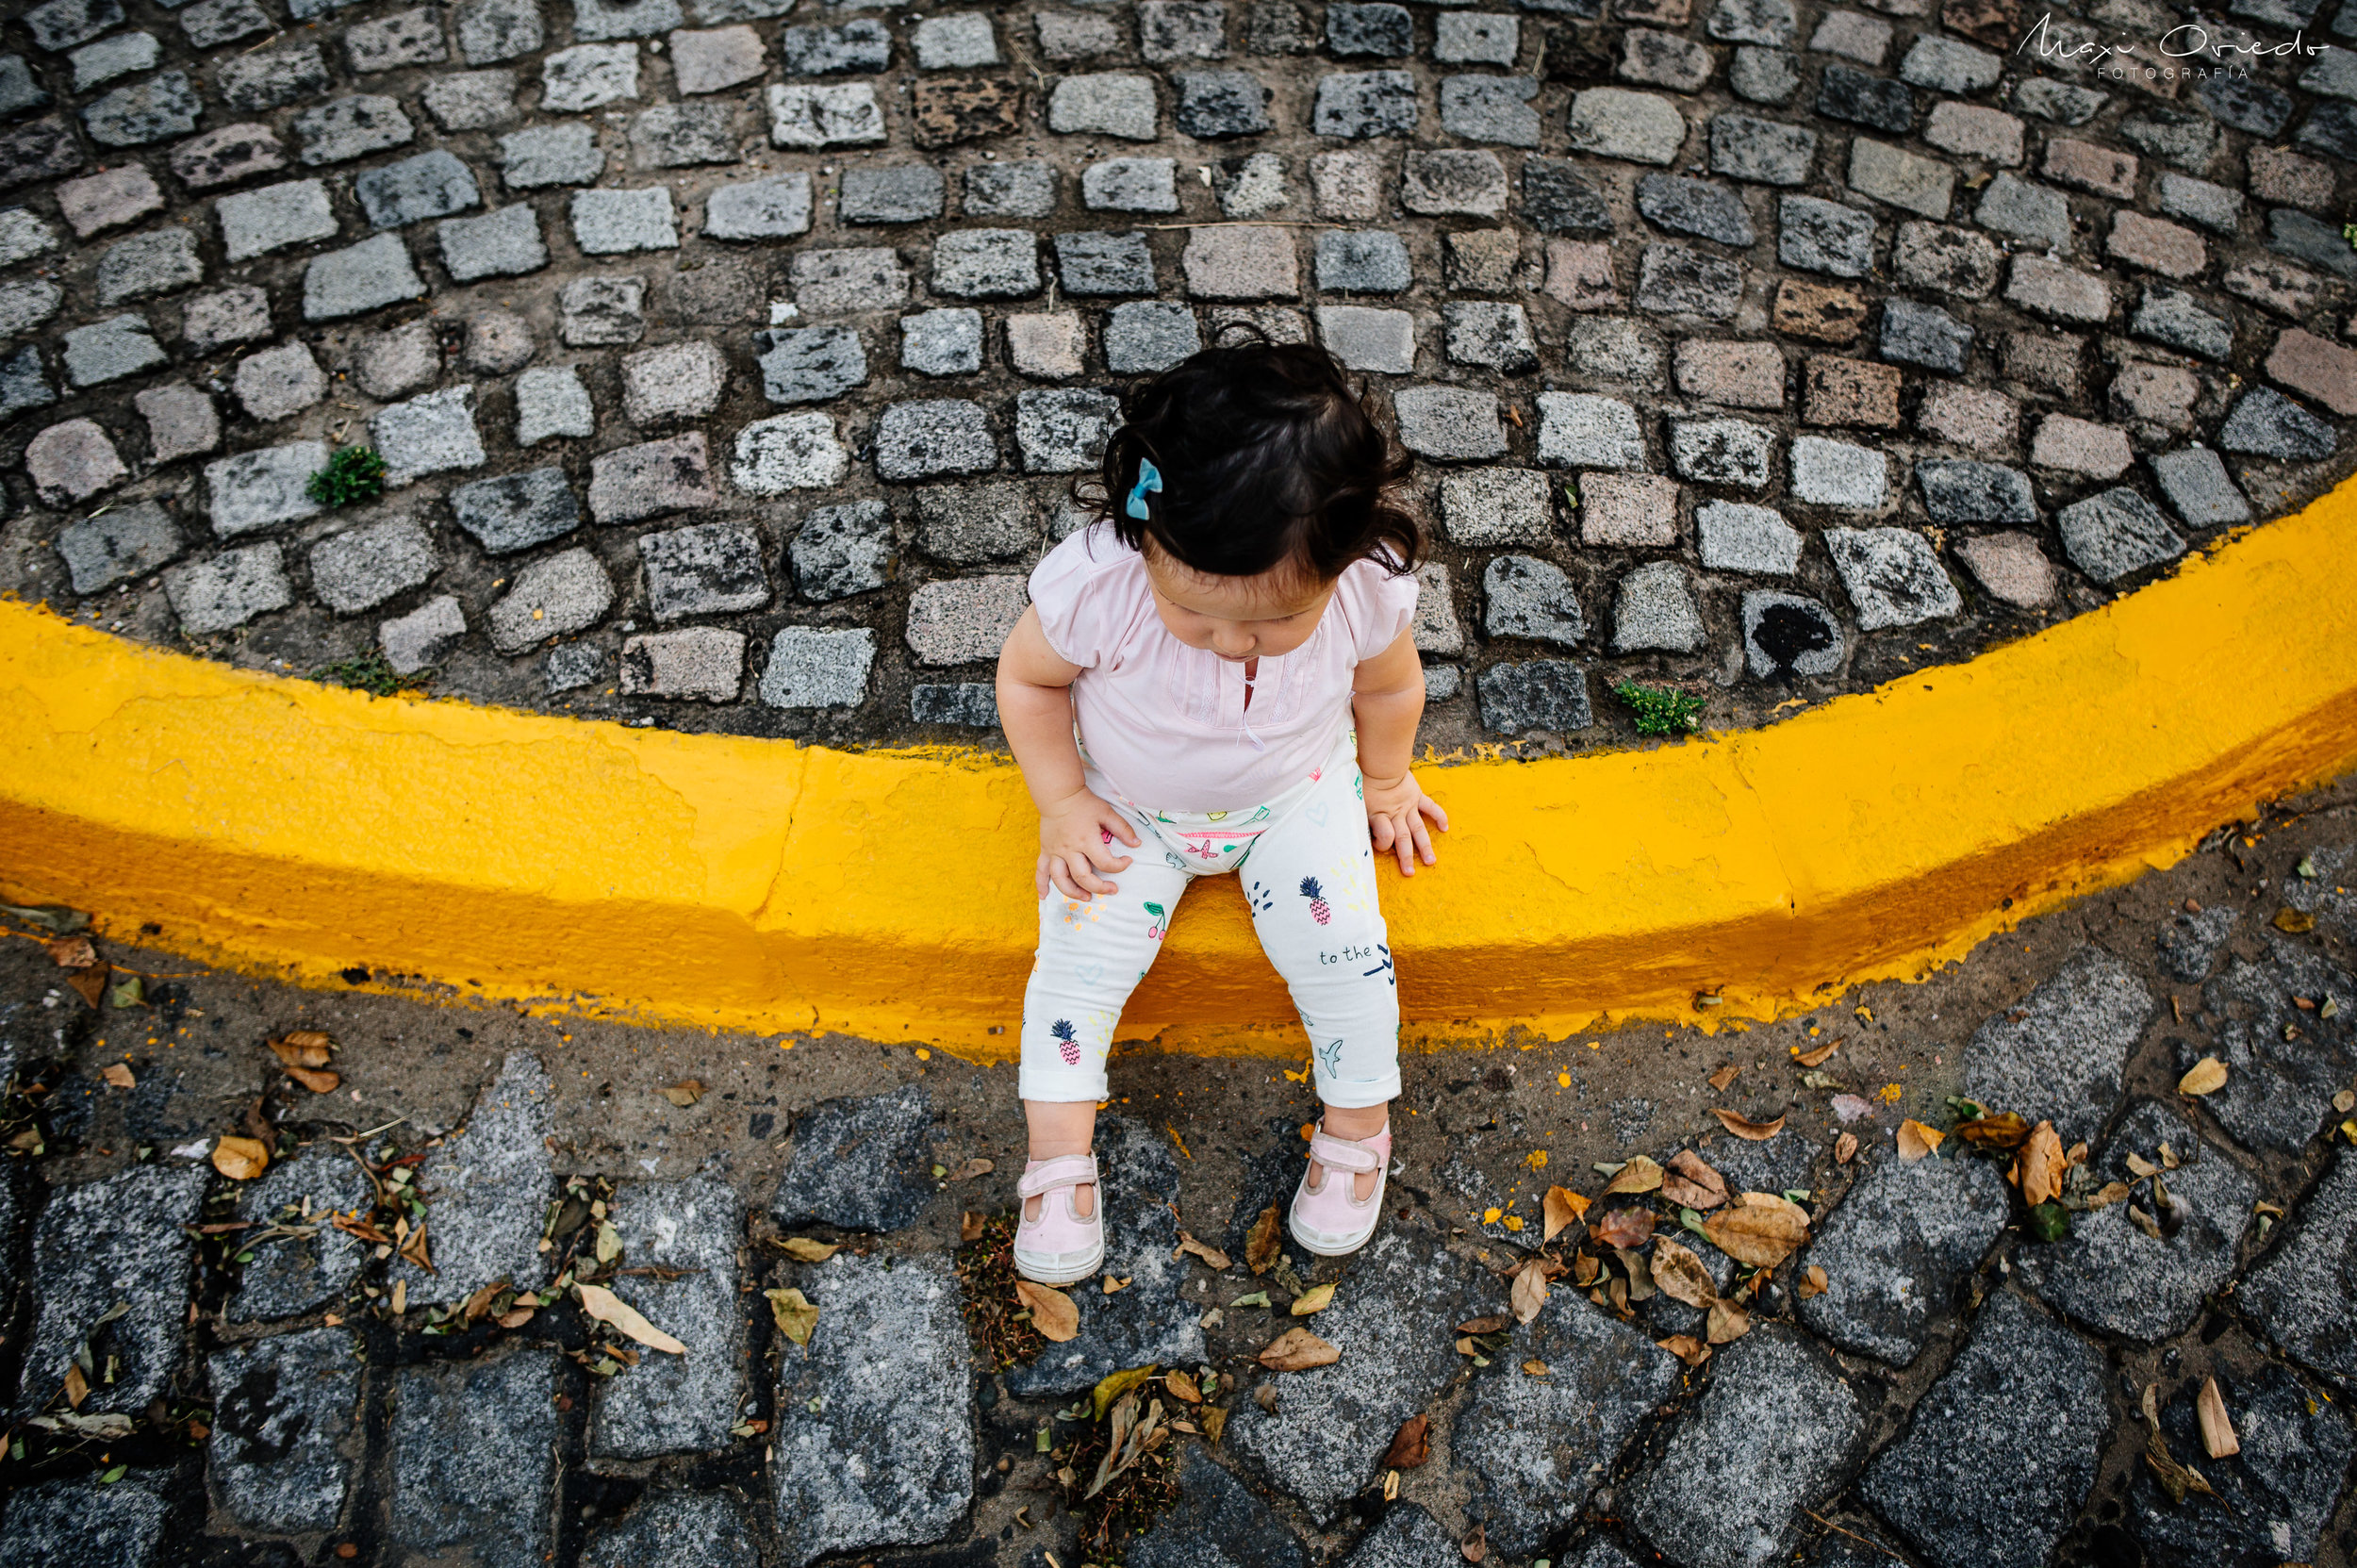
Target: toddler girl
[{"x": 1218, "y": 673}]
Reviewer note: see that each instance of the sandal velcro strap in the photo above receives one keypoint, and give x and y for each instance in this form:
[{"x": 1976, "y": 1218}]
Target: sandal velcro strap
[
  {"x": 1065, "y": 1170},
  {"x": 1343, "y": 1154}
]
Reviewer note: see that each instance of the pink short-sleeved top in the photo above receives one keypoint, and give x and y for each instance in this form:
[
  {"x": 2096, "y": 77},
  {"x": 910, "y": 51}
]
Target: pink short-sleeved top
[{"x": 1166, "y": 723}]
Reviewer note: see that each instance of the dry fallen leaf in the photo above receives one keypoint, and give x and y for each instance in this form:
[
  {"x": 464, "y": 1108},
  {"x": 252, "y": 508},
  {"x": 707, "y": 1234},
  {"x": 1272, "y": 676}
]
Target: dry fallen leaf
[
  {"x": 795, "y": 1313},
  {"x": 687, "y": 1091},
  {"x": 1489, "y": 1324},
  {"x": 515, "y": 1317},
  {"x": 1812, "y": 1282},
  {"x": 241, "y": 1159},
  {"x": 1265, "y": 1396},
  {"x": 1624, "y": 1227},
  {"x": 1052, "y": 1311},
  {"x": 1819, "y": 1057},
  {"x": 2217, "y": 1428},
  {"x": 71, "y": 952},
  {"x": 2109, "y": 1194},
  {"x": 1584, "y": 1270},
  {"x": 1315, "y": 1299},
  {"x": 90, "y": 984},
  {"x": 1640, "y": 1175},
  {"x": 1681, "y": 1275},
  {"x": 1530, "y": 1291},
  {"x": 120, "y": 1076},
  {"x": 1743, "y": 1127},
  {"x": 1725, "y": 1076},
  {"x": 2293, "y": 922},
  {"x": 1260, "y": 1246},
  {"x": 76, "y": 1386},
  {"x": 802, "y": 1250},
  {"x": 2004, "y": 1131},
  {"x": 2206, "y": 1076},
  {"x": 1476, "y": 1545},
  {"x": 1412, "y": 1446},
  {"x": 1297, "y": 1351},
  {"x": 2042, "y": 1165},
  {"x": 1114, "y": 1286},
  {"x": 301, "y": 1047},
  {"x": 1694, "y": 1177},
  {"x": 970, "y": 1226},
  {"x": 1727, "y": 1324},
  {"x": 315, "y": 1079},
  {"x": 1536, "y": 1367},
  {"x": 1183, "y": 1387},
  {"x": 1759, "y": 1229},
  {"x": 400, "y": 1297},
  {"x": 1845, "y": 1149},
  {"x": 1210, "y": 1255},
  {"x": 1916, "y": 1141},
  {"x": 974, "y": 1167},
  {"x": 606, "y": 1306},
  {"x": 1640, "y": 1286},
  {"x": 1563, "y": 1207},
  {"x": 1685, "y": 1347}
]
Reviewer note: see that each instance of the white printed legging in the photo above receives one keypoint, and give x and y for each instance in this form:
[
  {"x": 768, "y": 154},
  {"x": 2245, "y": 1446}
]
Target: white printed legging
[{"x": 1307, "y": 868}]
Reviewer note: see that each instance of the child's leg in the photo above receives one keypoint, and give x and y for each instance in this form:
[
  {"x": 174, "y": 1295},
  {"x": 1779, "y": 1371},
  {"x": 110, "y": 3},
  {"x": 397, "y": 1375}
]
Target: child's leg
[
  {"x": 1322, "y": 927},
  {"x": 1091, "y": 955}
]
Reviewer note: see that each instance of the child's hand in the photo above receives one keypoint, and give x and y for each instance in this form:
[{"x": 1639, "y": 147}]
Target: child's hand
[
  {"x": 1076, "y": 837},
  {"x": 1395, "y": 812}
]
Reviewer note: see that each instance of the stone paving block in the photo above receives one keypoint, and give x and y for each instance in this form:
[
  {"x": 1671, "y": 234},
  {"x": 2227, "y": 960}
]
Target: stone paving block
[
  {"x": 1065, "y": 431},
  {"x": 377, "y": 272},
  {"x": 405, "y": 37},
  {"x": 116, "y": 1240},
  {"x": 970, "y": 524},
  {"x": 1047, "y": 346},
  {"x": 1699, "y": 208},
  {"x": 1549, "y": 695},
  {"x": 1216, "y": 1519},
  {"x": 1023, "y": 189},
  {"x": 2305, "y": 238},
  {"x": 1777, "y": 1431},
  {"x": 2057, "y": 1055},
  {"x": 2156, "y": 395},
  {"x": 279, "y": 382},
  {"x": 1923, "y": 335},
  {"x": 1959, "y": 1486},
  {"x": 1835, "y": 390},
  {"x": 2276, "y": 1081},
  {"x": 1449, "y": 423},
  {"x": 778, "y": 209},
  {"x": 925, "y": 439},
  {"x": 1895, "y": 1247},
  {"x": 1454, "y": 180},
  {"x": 817, "y": 117},
  {"x": 1348, "y": 183},
  {"x": 571, "y": 666},
  {"x": 1616, "y": 123},
  {"x": 72, "y": 462},
  {"x": 1112, "y": 104},
  {"x": 271, "y": 80},
  {"x": 810, "y": 668},
  {"x": 120, "y": 543},
  {"x": 222, "y": 320},
  {"x": 82, "y": 1522},
  {"x": 59, "y": 24},
  {"x": 2278, "y": 1492},
  {"x": 1530, "y": 597},
  {"x": 108, "y": 199},
  {"x": 1764, "y": 75},
  {"x": 2315, "y": 369},
  {"x": 1721, "y": 452},
  {"x": 254, "y": 222},
  {"x": 1483, "y": 507},
  {"x": 2026, "y": 211},
  {"x": 1746, "y": 375},
  {"x": 678, "y": 1404},
  {"x": 1673, "y": 280},
  {"x": 634, "y": 483},
  {"x": 1582, "y": 430},
  {"x": 1149, "y": 336},
  {"x": 1770, "y": 22},
  {"x": 1970, "y": 131},
  {"x": 1129, "y": 185},
  {"x": 942, "y": 342},
  {"x": 716, "y": 60},
  {"x": 551, "y": 403},
  {"x": 1369, "y": 31},
  {"x": 2010, "y": 568},
  {"x": 1173, "y": 30},
  {"x": 505, "y": 243},
  {"x": 475, "y": 1457},
  {"x": 2100, "y": 169},
  {"x": 487, "y": 1186},
  {"x": 1835, "y": 473},
  {"x": 163, "y": 107},
  {"x": 1361, "y": 338},
  {"x": 2214, "y": 206},
  {"x": 1752, "y": 539},
  {"x": 1654, "y": 58},
  {"x": 2189, "y": 943},
  {"x": 432, "y": 434},
  {"x": 1876, "y": 103},
  {"x": 1491, "y": 333},
  {"x": 542, "y": 156},
  {"x": 790, "y": 452},
  {"x": 1945, "y": 65},
  {"x": 810, "y": 364},
  {"x": 894, "y": 193},
  {"x": 858, "y": 46},
  {"x": 1475, "y": 37},
  {"x": 2191, "y": 140},
  {"x": 611, "y": 223},
  {"x": 1949, "y": 260},
  {"x": 963, "y": 621},
  {"x": 2280, "y": 174},
  {"x": 22, "y": 385},
  {"x": 386, "y": 364},
  {"x": 1824, "y": 237},
  {"x": 107, "y": 351},
  {"x": 841, "y": 551},
  {"x": 1853, "y": 36},
  {"x": 680, "y": 136},
  {"x": 1487, "y": 260},
  {"x": 944, "y": 111},
  {"x": 38, "y": 151},
  {"x": 471, "y": 100},
  {"x": 22, "y": 236},
  {"x": 285, "y": 1417},
  {"x": 2266, "y": 424},
  {"x": 362, "y": 567},
  {"x": 1242, "y": 263},
  {"x": 1764, "y": 152},
  {"x": 556, "y": 595},
  {"x": 2167, "y": 316},
  {"x": 1887, "y": 174},
  {"x": 707, "y": 568},
  {"x": 887, "y": 1454},
  {"x": 259, "y": 490},
  {"x": 1964, "y": 492},
  {"x": 2047, "y": 288},
  {"x": 1490, "y": 108},
  {"x": 228, "y": 590},
  {"x": 417, "y": 640},
  {"x": 678, "y": 381},
  {"x": 2294, "y": 1292},
  {"x": 1627, "y": 510},
  {"x": 1363, "y": 262},
  {"x": 1365, "y": 103},
  {"x": 1654, "y": 608},
  {"x": 1579, "y": 276},
  {"x": 2199, "y": 488},
  {"x": 1003, "y": 264},
  {"x": 2117, "y": 533},
  {"x": 830, "y": 283},
  {"x": 2079, "y": 446},
  {"x": 351, "y": 127},
  {"x": 18, "y": 91},
  {"x": 709, "y": 1529},
  {"x": 2155, "y": 246},
  {"x": 954, "y": 43},
  {"x": 517, "y": 510}
]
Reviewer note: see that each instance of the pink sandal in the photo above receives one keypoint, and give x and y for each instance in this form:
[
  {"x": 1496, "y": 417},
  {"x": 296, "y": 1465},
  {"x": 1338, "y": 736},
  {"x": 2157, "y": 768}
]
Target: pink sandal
[
  {"x": 1329, "y": 1221},
  {"x": 1062, "y": 1245}
]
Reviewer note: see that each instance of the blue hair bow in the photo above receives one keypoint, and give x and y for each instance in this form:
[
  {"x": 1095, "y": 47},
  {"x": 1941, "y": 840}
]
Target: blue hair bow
[{"x": 1149, "y": 483}]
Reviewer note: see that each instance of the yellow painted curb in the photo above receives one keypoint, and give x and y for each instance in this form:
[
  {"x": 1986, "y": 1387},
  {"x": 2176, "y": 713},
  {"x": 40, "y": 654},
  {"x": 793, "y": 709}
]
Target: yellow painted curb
[{"x": 298, "y": 831}]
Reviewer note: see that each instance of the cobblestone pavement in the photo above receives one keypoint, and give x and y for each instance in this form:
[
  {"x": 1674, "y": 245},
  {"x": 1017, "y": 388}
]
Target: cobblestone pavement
[
  {"x": 1959, "y": 1392},
  {"x": 733, "y": 359}
]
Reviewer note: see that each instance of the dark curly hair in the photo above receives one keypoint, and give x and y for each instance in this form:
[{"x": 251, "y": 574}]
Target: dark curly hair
[{"x": 1268, "y": 457}]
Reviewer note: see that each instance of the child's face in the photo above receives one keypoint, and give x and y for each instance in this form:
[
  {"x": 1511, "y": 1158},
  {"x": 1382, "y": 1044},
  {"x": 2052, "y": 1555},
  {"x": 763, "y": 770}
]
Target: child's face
[{"x": 1236, "y": 618}]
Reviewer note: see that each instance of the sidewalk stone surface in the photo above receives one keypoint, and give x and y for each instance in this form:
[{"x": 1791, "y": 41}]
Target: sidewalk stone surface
[
  {"x": 105, "y": 1243},
  {"x": 2056, "y": 1056},
  {"x": 474, "y": 1460},
  {"x": 859, "y": 1164},
  {"x": 675, "y": 1527},
  {"x": 678, "y": 1404},
  {"x": 285, "y": 1413},
  {"x": 485, "y": 1191},
  {"x": 1895, "y": 1246}
]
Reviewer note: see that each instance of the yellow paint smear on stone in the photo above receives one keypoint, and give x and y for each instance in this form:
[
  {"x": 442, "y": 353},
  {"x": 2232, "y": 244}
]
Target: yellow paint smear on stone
[{"x": 299, "y": 830}]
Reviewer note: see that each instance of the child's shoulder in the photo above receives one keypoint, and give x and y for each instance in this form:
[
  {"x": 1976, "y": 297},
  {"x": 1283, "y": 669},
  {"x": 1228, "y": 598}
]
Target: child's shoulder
[{"x": 1089, "y": 592}]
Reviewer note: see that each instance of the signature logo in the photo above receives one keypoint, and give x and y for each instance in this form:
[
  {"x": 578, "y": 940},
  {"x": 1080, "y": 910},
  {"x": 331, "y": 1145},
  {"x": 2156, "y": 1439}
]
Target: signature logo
[{"x": 2205, "y": 53}]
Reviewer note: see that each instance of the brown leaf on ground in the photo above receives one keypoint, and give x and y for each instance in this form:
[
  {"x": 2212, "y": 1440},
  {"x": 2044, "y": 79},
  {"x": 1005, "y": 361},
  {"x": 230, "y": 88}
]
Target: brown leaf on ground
[
  {"x": 1728, "y": 1323},
  {"x": 794, "y": 1314},
  {"x": 970, "y": 1226},
  {"x": 1111, "y": 1386},
  {"x": 316, "y": 1081},
  {"x": 1685, "y": 1347},
  {"x": 1412, "y": 1446},
  {"x": 1210, "y": 1255},
  {"x": 1759, "y": 1229},
  {"x": 2004, "y": 1131},
  {"x": 2206, "y": 1076},
  {"x": 1563, "y": 1207},
  {"x": 2293, "y": 922},
  {"x": 1114, "y": 1286},
  {"x": 1725, "y": 1076},
  {"x": 480, "y": 1302},
  {"x": 1686, "y": 1195},
  {"x": 90, "y": 984},
  {"x": 1640, "y": 1175},
  {"x": 120, "y": 1076},
  {"x": 1845, "y": 1149},
  {"x": 413, "y": 1249},
  {"x": 1681, "y": 1275},
  {"x": 1916, "y": 1141},
  {"x": 687, "y": 1091},
  {"x": 303, "y": 1048},
  {"x": 1530, "y": 1291},
  {"x": 1624, "y": 1227},
  {"x": 242, "y": 1159},
  {"x": 1743, "y": 1127},
  {"x": 1215, "y": 1423},
  {"x": 2217, "y": 1428},
  {"x": 1298, "y": 1350},
  {"x": 608, "y": 1308},
  {"x": 1640, "y": 1272},
  {"x": 974, "y": 1167},
  {"x": 1183, "y": 1387},
  {"x": 76, "y": 1386},
  {"x": 1819, "y": 1057},
  {"x": 1052, "y": 1311},
  {"x": 1260, "y": 1246},
  {"x": 1812, "y": 1282},
  {"x": 2042, "y": 1165},
  {"x": 516, "y": 1317},
  {"x": 1490, "y": 1324},
  {"x": 1315, "y": 1299},
  {"x": 1265, "y": 1396},
  {"x": 2109, "y": 1194},
  {"x": 1476, "y": 1545},
  {"x": 71, "y": 952},
  {"x": 803, "y": 1250},
  {"x": 1695, "y": 1171},
  {"x": 1536, "y": 1367}
]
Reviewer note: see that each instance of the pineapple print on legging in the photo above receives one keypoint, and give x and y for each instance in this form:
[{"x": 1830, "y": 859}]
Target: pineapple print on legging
[{"x": 1320, "y": 910}]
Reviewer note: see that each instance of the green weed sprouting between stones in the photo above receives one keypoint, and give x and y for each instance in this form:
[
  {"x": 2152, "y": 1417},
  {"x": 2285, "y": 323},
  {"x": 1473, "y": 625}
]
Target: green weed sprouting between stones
[
  {"x": 2349, "y": 232},
  {"x": 369, "y": 673},
  {"x": 1660, "y": 710},
  {"x": 352, "y": 474}
]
